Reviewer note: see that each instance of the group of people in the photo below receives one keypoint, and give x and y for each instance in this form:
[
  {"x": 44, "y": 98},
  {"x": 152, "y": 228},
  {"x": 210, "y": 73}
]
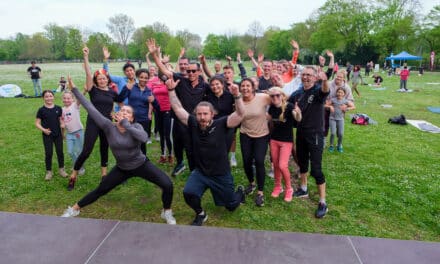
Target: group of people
[{"x": 202, "y": 111}]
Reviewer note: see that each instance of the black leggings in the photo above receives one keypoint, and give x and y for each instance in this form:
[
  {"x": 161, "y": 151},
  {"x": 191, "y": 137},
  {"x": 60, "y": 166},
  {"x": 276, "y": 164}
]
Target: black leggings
[
  {"x": 163, "y": 124},
  {"x": 145, "y": 124},
  {"x": 309, "y": 147},
  {"x": 90, "y": 135},
  {"x": 48, "y": 142},
  {"x": 182, "y": 140},
  {"x": 117, "y": 175},
  {"x": 253, "y": 150}
]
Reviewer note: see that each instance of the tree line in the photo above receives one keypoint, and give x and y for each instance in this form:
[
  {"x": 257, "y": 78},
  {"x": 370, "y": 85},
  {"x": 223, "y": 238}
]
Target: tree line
[{"x": 355, "y": 31}]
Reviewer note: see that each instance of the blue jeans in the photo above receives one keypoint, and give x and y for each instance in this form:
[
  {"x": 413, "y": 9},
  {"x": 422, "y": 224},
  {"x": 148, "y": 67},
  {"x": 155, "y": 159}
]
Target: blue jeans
[
  {"x": 37, "y": 87},
  {"x": 75, "y": 141}
]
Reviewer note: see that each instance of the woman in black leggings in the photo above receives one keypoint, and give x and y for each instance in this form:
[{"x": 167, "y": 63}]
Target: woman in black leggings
[
  {"x": 125, "y": 138},
  {"x": 102, "y": 97}
]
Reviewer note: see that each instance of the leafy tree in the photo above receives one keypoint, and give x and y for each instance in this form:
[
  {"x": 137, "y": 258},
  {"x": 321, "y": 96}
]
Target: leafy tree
[
  {"x": 9, "y": 50},
  {"x": 74, "y": 44},
  {"x": 121, "y": 26},
  {"x": 173, "y": 48},
  {"x": 37, "y": 47},
  {"x": 96, "y": 42},
  {"x": 58, "y": 39},
  {"x": 211, "y": 48}
]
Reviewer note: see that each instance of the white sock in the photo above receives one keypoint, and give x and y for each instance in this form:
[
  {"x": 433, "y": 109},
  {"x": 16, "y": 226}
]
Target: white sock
[
  {"x": 322, "y": 200},
  {"x": 202, "y": 213},
  {"x": 304, "y": 188},
  {"x": 232, "y": 154}
]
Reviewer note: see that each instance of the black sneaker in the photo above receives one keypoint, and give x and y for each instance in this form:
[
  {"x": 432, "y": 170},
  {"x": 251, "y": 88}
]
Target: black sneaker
[
  {"x": 71, "y": 184},
  {"x": 200, "y": 219},
  {"x": 300, "y": 193},
  {"x": 240, "y": 194},
  {"x": 321, "y": 211},
  {"x": 259, "y": 200},
  {"x": 250, "y": 189},
  {"x": 178, "y": 169}
]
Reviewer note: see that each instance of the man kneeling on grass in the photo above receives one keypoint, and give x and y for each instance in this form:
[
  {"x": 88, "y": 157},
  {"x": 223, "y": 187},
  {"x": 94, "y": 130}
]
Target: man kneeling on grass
[{"x": 212, "y": 168}]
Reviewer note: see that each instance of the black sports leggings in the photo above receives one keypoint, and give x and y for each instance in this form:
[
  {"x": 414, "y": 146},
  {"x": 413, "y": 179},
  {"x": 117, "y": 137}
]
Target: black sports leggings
[
  {"x": 48, "y": 142},
  {"x": 253, "y": 150},
  {"x": 117, "y": 175},
  {"x": 182, "y": 140},
  {"x": 145, "y": 124},
  {"x": 90, "y": 135},
  {"x": 163, "y": 124}
]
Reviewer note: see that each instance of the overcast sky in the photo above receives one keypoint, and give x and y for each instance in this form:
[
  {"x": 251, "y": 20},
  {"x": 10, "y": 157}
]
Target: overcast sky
[{"x": 198, "y": 16}]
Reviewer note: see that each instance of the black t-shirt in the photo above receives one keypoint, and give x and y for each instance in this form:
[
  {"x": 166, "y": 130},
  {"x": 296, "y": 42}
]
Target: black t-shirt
[
  {"x": 223, "y": 104},
  {"x": 188, "y": 95},
  {"x": 209, "y": 146},
  {"x": 311, "y": 102},
  {"x": 35, "y": 72},
  {"x": 264, "y": 84},
  {"x": 103, "y": 100},
  {"x": 282, "y": 130},
  {"x": 50, "y": 118}
]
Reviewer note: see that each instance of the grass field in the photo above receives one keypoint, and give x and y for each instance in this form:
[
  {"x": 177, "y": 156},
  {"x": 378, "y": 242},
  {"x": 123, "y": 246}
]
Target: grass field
[{"x": 385, "y": 184}]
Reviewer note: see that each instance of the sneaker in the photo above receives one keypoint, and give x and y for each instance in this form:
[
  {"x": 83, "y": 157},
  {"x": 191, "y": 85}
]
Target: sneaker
[
  {"x": 178, "y": 169},
  {"x": 167, "y": 215},
  {"x": 340, "y": 149},
  {"x": 241, "y": 194},
  {"x": 259, "y": 200},
  {"x": 48, "y": 175},
  {"x": 250, "y": 189},
  {"x": 288, "y": 195},
  {"x": 62, "y": 173},
  {"x": 170, "y": 159},
  {"x": 71, "y": 184},
  {"x": 331, "y": 149},
  {"x": 233, "y": 161},
  {"x": 199, "y": 220},
  {"x": 276, "y": 192},
  {"x": 300, "y": 193},
  {"x": 321, "y": 211},
  {"x": 149, "y": 141},
  {"x": 270, "y": 174},
  {"x": 70, "y": 212},
  {"x": 162, "y": 160},
  {"x": 82, "y": 171},
  {"x": 157, "y": 137}
]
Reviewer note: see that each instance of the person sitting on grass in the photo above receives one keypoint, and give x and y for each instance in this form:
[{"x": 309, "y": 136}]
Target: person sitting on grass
[
  {"x": 125, "y": 138},
  {"x": 212, "y": 170},
  {"x": 338, "y": 106},
  {"x": 377, "y": 80}
]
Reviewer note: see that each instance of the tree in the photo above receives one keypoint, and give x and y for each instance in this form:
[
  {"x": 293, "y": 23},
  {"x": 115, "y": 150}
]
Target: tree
[
  {"x": 37, "y": 47},
  {"x": 255, "y": 31},
  {"x": 211, "y": 48},
  {"x": 96, "y": 42},
  {"x": 121, "y": 26},
  {"x": 173, "y": 48},
  {"x": 74, "y": 44},
  {"x": 58, "y": 39}
]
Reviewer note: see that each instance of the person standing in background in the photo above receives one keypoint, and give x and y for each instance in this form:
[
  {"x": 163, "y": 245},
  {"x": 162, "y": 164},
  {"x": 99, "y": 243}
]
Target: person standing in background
[{"x": 35, "y": 73}]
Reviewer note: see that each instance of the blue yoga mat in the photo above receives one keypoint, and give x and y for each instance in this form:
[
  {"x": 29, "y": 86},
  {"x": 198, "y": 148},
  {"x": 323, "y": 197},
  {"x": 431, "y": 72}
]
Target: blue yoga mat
[{"x": 434, "y": 109}]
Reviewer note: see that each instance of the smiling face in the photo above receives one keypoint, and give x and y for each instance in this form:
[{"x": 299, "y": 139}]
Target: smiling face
[
  {"x": 127, "y": 112},
  {"x": 152, "y": 70},
  {"x": 129, "y": 73},
  {"x": 204, "y": 116},
  {"x": 339, "y": 79},
  {"x": 217, "y": 87},
  {"x": 102, "y": 81},
  {"x": 192, "y": 72},
  {"x": 143, "y": 79},
  {"x": 308, "y": 78},
  {"x": 48, "y": 97},
  {"x": 247, "y": 89},
  {"x": 183, "y": 65},
  {"x": 67, "y": 99},
  {"x": 340, "y": 93}
]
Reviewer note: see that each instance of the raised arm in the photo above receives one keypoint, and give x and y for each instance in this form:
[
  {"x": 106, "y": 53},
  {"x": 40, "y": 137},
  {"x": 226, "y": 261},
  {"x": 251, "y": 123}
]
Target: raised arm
[
  {"x": 181, "y": 54},
  {"x": 178, "y": 109},
  {"x": 243, "y": 73},
  {"x": 235, "y": 118},
  {"x": 154, "y": 51},
  {"x": 89, "y": 78},
  {"x": 202, "y": 60},
  {"x": 331, "y": 63},
  {"x": 99, "y": 119},
  {"x": 147, "y": 58}
]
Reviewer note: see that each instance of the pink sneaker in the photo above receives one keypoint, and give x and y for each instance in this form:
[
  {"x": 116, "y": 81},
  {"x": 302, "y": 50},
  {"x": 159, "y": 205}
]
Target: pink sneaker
[
  {"x": 288, "y": 195},
  {"x": 276, "y": 192}
]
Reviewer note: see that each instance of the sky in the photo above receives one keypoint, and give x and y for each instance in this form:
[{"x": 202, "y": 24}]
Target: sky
[{"x": 198, "y": 16}]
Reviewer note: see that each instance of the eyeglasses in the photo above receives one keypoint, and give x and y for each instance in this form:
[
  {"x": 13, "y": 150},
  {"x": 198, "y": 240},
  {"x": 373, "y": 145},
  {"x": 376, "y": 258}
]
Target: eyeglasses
[
  {"x": 275, "y": 95},
  {"x": 191, "y": 71}
]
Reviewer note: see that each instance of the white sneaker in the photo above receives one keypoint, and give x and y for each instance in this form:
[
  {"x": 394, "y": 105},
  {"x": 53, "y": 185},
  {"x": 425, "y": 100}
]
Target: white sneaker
[
  {"x": 270, "y": 174},
  {"x": 149, "y": 141},
  {"x": 168, "y": 216},
  {"x": 157, "y": 137},
  {"x": 48, "y": 175},
  {"x": 70, "y": 212},
  {"x": 62, "y": 173},
  {"x": 82, "y": 171},
  {"x": 233, "y": 161}
]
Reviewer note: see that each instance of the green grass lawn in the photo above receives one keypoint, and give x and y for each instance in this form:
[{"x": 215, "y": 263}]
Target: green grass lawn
[{"x": 385, "y": 184}]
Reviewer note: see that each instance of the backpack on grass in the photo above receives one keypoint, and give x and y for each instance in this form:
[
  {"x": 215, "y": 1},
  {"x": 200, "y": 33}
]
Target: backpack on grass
[
  {"x": 360, "y": 119},
  {"x": 400, "y": 120}
]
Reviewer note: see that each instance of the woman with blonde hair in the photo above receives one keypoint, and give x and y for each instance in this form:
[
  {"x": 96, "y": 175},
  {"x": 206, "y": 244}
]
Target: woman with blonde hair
[{"x": 283, "y": 115}]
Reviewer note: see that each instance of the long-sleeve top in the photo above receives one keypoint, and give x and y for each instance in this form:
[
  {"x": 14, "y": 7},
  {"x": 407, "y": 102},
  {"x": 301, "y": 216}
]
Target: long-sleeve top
[
  {"x": 125, "y": 146},
  {"x": 137, "y": 99}
]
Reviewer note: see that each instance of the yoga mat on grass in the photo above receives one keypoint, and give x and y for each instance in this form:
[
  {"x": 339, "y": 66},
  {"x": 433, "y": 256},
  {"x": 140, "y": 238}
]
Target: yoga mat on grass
[
  {"x": 424, "y": 126},
  {"x": 434, "y": 109}
]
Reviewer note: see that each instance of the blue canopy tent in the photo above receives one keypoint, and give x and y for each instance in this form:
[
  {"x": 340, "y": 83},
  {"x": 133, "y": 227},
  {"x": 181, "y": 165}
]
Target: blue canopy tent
[{"x": 402, "y": 57}]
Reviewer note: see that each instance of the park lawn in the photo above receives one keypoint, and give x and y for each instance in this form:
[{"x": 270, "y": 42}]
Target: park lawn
[{"x": 385, "y": 184}]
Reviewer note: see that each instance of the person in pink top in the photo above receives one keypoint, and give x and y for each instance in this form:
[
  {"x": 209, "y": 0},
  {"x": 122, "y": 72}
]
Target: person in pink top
[
  {"x": 404, "y": 74},
  {"x": 163, "y": 120}
]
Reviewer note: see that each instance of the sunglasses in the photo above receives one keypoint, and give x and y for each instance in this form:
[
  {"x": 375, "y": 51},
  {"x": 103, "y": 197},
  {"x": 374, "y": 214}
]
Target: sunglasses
[
  {"x": 191, "y": 71},
  {"x": 275, "y": 95}
]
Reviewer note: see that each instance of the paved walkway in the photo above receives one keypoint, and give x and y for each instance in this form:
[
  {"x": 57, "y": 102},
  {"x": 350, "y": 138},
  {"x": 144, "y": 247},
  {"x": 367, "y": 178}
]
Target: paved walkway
[{"x": 29, "y": 238}]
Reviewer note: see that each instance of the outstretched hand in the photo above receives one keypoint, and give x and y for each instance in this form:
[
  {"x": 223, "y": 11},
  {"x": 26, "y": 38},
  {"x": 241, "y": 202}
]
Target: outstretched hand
[
  {"x": 294, "y": 44},
  {"x": 106, "y": 53},
  {"x": 85, "y": 52},
  {"x": 171, "y": 84},
  {"x": 233, "y": 88},
  {"x": 70, "y": 83},
  {"x": 152, "y": 47},
  {"x": 250, "y": 53}
]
